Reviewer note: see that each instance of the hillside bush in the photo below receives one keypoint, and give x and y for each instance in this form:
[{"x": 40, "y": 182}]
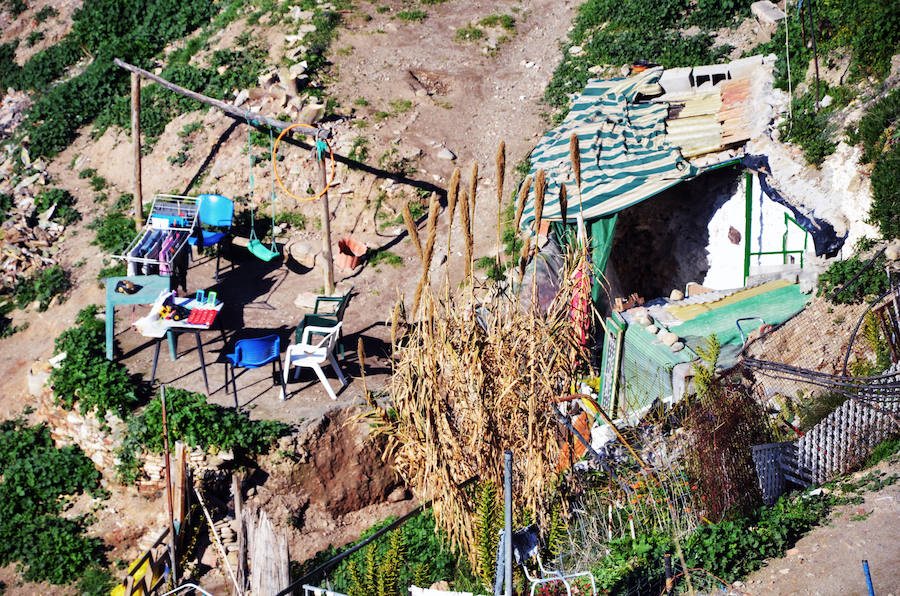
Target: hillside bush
[
  {"x": 426, "y": 558},
  {"x": 616, "y": 32},
  {"x": 885, "y": 209},
  {"x": 65, "y": 212},
  {"x": 878, "y": 126},
  {"x": 872, "y": 283},
  {"x": 133, "y": 30},
  {"x": 41, "y": 287},
  {"x": 37, "y": 478},
  {"x": 197, "y": 423},
  {"x": 86, "y": 377}
]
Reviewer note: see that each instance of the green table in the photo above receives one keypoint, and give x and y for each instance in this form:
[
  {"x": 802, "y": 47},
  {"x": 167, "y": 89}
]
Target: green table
[{"x": 152, "y": 285}]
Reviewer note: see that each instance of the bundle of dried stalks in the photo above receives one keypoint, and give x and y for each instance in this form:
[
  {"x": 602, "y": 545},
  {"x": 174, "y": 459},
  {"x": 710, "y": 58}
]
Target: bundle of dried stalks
[
  {"x": 520, "y": 204},
  {"x": 473, "y": 190},
  {"x": 467, "y": 231},
  {"x": 411, "y": 228},
  {"x": 469, "y": 384},
  {"x": 452, "y": 194}
]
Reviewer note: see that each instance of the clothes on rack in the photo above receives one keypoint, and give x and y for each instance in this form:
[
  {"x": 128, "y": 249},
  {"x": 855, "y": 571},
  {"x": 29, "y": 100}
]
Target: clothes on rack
[{"x": 156, "y": 252}]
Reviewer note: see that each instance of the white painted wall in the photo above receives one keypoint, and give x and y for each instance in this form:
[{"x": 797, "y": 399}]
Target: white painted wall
[{"x": 726, "y": 260}]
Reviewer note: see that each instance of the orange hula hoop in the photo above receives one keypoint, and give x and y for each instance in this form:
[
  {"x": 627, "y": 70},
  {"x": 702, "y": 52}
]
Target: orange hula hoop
[{"x": 278, "y": 177}]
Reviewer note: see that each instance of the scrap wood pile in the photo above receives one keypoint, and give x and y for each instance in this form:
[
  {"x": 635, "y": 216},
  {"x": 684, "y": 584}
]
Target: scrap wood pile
[
  {"x": 27, "y": 237},
  {"x": 476, "y": 377}
]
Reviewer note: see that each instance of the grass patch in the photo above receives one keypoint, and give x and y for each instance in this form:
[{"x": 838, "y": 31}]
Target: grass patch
[
  {"x": 468, "y": 33},
  {"x": 384, "y": 257},
  {"x": 359, "y": 151},
  {"x": 41, "y": 287},
  {"x": 63, "y": 202},
  {"x": 503, "y": 21},
  {"x": 412, "y": 16}
]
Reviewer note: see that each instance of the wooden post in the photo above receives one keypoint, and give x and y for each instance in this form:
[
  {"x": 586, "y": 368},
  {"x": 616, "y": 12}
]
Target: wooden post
[
  {"x": 328, "y": 264},
  {"x": 169, "y": 487},
  {"x": 136, "y": 140}
]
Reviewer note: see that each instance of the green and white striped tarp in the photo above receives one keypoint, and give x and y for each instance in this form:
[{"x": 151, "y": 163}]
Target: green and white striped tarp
[{"x": 625, "y": 157}]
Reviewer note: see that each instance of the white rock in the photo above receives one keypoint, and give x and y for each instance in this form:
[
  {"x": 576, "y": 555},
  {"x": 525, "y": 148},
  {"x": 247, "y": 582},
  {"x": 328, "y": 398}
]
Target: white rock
[
  {"x": 826, "y": 101},
  {"x": 653, "y": 329},
  {"x": 676, "y": 295},
  {"x": 668, "y": 338},
  {"x": 306, "y": 28},
  {"x": 576, "y": 50},
  {"x": 677, "y": 346},
  {"x": 446, "y": 154}
]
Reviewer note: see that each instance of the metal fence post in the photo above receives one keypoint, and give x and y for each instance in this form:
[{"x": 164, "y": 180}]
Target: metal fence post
[{"x": 507, "y": 521}]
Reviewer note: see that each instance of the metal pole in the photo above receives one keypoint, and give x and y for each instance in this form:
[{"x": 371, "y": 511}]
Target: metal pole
[
  {"x": 136, "y": 141},
  {"x": 328, "y": 264},
  {"x": 812, "y": 34},
  {"x": 162, "y": 397},
  {"x": 748, "y": 215},
  {"x": 865, "y": 565},
  {"x": 507, "y": 521}
]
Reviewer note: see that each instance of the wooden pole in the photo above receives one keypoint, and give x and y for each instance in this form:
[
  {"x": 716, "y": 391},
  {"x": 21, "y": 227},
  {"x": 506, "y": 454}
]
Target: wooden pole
[
  {"x": 162, "y": 397},
  {"x": 323, "y": 133},
  {"x": 136, "y": 140},
  {"x": 328, "y": 264}
]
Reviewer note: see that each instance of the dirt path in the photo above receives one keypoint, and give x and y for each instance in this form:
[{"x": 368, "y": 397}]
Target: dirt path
[
  {"x": 827, "y": 561},
  {"x": 481, "y": 96}
]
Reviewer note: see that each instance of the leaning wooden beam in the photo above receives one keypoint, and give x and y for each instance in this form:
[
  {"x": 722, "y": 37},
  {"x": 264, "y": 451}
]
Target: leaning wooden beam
[{"x": 228, "y": 108}]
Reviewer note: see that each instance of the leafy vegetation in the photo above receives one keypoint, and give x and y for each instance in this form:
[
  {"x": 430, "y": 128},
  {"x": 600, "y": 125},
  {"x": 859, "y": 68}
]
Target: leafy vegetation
[
  {"x": 114, "y": 230},
  {"x": 412, "y": 15},
  {"x": 424, "y": 559},
  {"x": 196, "y": 422},
  {"x": 41, "y": 287},
  {"x": 872, "y": 282},
  {"x": 813, "y": 128},
  {"x": 63, "y": 201},
  {"x": 504, "y": 21},
  {"x": 38, "y": 481},
  {"x": 468, "y": 33},
  {"x": 616, "y": 32},
  {"x": 85, "y": 375},
  {"x": 133, "y": 30},
  {"x": 878, "y": 126},
  {"x": 879, "y": 133}
]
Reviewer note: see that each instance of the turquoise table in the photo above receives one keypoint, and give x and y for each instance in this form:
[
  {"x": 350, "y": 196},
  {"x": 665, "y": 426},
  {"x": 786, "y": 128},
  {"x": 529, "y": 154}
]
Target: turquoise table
[{"x": 152, "y": 285}]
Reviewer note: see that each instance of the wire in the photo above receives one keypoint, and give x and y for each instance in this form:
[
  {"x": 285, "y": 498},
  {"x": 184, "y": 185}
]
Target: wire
[{"x": 278, "y": 177}]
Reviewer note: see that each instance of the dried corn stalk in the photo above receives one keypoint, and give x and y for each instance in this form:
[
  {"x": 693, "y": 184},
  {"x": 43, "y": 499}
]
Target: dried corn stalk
[{"x": 466, "y": 388}]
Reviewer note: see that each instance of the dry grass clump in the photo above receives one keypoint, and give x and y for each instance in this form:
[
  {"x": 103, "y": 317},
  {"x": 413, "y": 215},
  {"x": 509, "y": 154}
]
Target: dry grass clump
[{"x": 469, "y": 384}]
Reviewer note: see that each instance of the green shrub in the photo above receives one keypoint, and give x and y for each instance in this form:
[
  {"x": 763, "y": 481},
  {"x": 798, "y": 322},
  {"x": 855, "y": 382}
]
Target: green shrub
[
  {"x": 6, "y": 204},
  {"x": 85, "y": 375},
  {"x": 36, "y": 478},
  {"x": 872, "y": 283},
  {"x": 877, "y": 125},
  {"x": 885, "y": 209},
  {"x": 114, "y": 231},
  {"x": 65, "y": 213},
  {"x": 42, "y": 287},
  {"x": 133, "y": 30},
  {"x": 425, "y": 551},
  {"x": 199, "y": 424},
  {"x": 468, "y": 33}
]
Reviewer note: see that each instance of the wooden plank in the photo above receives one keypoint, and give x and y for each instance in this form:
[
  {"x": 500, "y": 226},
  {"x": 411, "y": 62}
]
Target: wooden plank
[{"x": 231, "y": 109}]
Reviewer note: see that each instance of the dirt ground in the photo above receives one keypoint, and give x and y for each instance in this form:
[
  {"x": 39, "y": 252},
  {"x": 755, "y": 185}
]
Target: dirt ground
[
  {"x": 475, "y": 96},
  {"x": 480, "y": 95},
  {"x": 828, "y": 560}
]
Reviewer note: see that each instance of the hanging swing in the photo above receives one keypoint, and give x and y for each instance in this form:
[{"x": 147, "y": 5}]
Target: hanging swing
[{"x": 256, "y": 246}]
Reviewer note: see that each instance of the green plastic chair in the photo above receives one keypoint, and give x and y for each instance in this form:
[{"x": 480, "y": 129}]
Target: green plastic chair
[{"x": 326, "y": 319}]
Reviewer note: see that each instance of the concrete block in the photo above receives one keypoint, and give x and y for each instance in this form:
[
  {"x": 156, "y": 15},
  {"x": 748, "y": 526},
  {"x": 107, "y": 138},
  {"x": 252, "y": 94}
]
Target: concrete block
[
  {"x": 676, "y": 80},
  {"x": 767, "y": 13}
]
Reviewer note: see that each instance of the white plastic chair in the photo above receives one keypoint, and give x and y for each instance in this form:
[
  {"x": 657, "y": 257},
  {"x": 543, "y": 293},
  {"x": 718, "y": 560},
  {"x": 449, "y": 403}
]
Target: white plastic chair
[
  {"x": 526, "y": 545},
  {"x": 314, "y": 356}
]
